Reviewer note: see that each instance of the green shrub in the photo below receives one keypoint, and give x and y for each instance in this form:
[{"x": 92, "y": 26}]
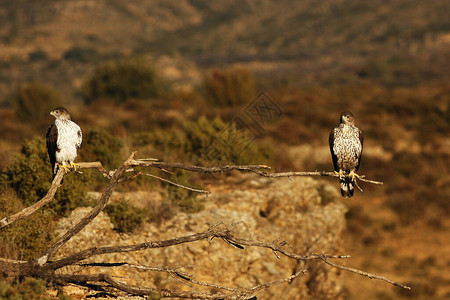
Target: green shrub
[
  {"x": 122, "y": 80},
  {"x": 34, "y": 101},
  {"x": 30, "y": 175},
  {"x": 186, "y": 200},
  {"x": 124, "y": 216},
  {"x": 100, "y": 145},
  {"x": 81, "y": 54},
  {"x": 203, "y": 141},
  {"x": 229, "y": 87},
  {"x": 215, "y": 142},
  {"x": 37, "y": 55},
  {"x": 25, "y": 238},
  {"x": 28, "y": 288}
]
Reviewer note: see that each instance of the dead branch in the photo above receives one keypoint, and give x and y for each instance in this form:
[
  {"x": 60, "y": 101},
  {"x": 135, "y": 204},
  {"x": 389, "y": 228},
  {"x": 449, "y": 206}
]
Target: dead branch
[
  {"x": 177, "y": 184},
  {"x": 211, "y": 233},
  {"x": 356, "y": 271},
  {"x": 235, "y": 293},
  {"x": 56, "y": 183},
  {"x": 130, "y": 162},
  {"x": 45, "y": 267},
  {"x": 198, "y": 169},
  {"x": 114, "y": 180},
  {"x": 31, "y": 209},
  {"x": 316, "y": 173}
]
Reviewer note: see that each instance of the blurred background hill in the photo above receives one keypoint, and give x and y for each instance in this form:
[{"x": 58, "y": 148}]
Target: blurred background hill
[{"x": 165, "y": 77}]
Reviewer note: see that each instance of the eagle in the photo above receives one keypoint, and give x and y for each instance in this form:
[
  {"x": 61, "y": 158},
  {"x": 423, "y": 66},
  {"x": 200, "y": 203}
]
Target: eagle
[
  {"x": 64, "y": 138},
  {"x": 346, "y": 146}
]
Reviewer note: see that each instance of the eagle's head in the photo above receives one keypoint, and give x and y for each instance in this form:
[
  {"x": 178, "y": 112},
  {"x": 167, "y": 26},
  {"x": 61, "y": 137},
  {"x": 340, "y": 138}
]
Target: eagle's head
[
  {"x": 347, "y": 118},
  {"x": 60, "y": 113}
]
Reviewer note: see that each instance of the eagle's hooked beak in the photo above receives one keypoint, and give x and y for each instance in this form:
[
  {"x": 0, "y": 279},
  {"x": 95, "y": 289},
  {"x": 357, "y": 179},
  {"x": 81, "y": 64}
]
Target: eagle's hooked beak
[{"x": 52, "y": 113}]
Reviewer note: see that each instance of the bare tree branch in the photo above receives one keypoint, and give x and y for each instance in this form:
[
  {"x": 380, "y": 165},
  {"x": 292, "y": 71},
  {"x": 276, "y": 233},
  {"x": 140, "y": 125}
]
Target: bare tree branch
[
  {"x": 316, "y": 173},
  {"x": 370, "y": 275},
  {"x": 235, "y": 293},
  {"x": 45, "y": 268},
  {"x": 198, "y": 169},
  {"x": 91, "y": 215},
  {"x": 177, "y": 184},
  {"x": 12, "y": 261},
  {"x": 214, "y": 232},
  {"x": 56, "y": 183},
  {"x": 31, "y": 209},
  {"x": 131, "y": 162}
]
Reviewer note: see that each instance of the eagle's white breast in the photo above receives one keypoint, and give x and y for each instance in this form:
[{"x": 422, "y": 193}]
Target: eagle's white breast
[
  {"x": 347, "y": 146},
  {"x": 69, "y": 140}
]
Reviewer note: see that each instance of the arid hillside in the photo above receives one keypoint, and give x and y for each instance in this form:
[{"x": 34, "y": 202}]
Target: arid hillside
[
  {"x": 168, "y": 78},
  {"x": 58, "y": 42}
]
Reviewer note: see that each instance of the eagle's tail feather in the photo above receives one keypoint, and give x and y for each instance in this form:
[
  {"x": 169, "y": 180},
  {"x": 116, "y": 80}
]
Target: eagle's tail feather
[{"x": 347, "y": 186}]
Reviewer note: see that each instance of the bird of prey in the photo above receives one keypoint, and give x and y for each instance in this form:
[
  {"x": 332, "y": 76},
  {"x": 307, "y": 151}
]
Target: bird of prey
[
  {"x": 346, "y": 146},
  {"x": 63, "y": 140}
]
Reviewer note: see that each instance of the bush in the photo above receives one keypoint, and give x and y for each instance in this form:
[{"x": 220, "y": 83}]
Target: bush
[
  {"x": 218, "y": 142},
  {"x": 122, "y": 80},
  {"x": 186, "y": 200},
  {"x": 24, "y": 239},
  {"x": 124, "y": 216},
  {"x": 37, "y": 55},
  {"x": 229, "y": 87},
  {"x": 100, "y": 145},
  {"x": 28, "y": 288},
  {"x": 34, "y": 101},
  {"x": 81, "y": 54},
  {"x": 202, "y": 142},
  {"x": 30, "y": 175}
]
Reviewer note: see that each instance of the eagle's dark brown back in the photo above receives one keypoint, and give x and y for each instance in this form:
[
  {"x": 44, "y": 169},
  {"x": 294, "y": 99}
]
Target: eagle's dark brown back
[{"x": 52, "y": 146}]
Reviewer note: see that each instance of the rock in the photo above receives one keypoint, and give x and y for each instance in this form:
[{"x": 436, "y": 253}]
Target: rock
[{"x": 302, "y": 211}]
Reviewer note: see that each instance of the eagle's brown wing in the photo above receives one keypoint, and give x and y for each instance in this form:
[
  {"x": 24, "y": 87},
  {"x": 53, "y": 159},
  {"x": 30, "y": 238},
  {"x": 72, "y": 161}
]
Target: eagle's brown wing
[
  {"x": 52, "y": 146},
  {"x": 333, "y": 155},
  {"x": 361, "y": 139}
]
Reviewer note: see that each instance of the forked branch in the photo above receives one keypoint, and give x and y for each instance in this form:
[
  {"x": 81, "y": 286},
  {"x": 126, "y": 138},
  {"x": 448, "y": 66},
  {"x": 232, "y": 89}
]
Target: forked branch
[{"x": 46, "y": 268}]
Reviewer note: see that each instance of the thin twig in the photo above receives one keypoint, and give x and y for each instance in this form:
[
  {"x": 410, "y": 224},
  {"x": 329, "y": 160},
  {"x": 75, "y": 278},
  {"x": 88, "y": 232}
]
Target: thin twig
[
  {"x": 171, "y": 270},
  {"x": 177, "y": 184},
  {"x": 12, "y": 261},
  {"x": 370, "y": 275},
  {"x": 315, "y": 173},
  {"x": 357, "y": 185},
  {"x": 361, "y": 177},
  {"x": 289, "y": 279}
]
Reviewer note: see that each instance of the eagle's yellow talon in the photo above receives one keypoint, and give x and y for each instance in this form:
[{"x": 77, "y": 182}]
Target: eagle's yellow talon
[
  {"x": 74, "y": 166},
  {"x": 65, "y": 167},
  {"x": 340, "y": 173}
]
